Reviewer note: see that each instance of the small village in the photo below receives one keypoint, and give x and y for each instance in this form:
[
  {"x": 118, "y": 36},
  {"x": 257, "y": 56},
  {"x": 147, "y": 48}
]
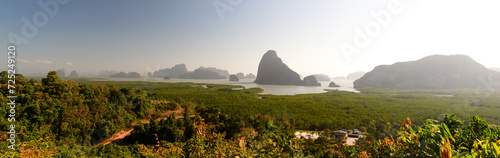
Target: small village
[{"x": 351, "y": 136}]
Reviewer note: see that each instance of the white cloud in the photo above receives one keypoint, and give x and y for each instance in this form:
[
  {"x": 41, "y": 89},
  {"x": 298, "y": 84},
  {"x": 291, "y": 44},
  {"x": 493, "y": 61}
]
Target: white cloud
[
  {"x": 70, "y": 64},
  {"x": 44, "y": 61},
  {"x": 22, "y": 60}
]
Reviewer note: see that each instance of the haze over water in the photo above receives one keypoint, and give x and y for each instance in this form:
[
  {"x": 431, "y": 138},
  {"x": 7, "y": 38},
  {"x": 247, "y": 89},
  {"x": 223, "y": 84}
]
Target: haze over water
[{"x": 346, "y": 85}]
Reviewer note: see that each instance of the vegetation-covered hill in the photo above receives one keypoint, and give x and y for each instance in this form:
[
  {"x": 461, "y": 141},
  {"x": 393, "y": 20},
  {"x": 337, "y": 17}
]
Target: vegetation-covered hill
[
  {"x": 71, "y": 115},
  {"x": 68, "y": 119}
]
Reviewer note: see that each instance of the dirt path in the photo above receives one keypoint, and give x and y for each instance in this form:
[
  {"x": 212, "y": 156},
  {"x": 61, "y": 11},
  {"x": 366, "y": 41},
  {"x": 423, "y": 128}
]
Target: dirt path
[
  {"x": 118, "y": 136},
  {"x": 123, "y": 133}
]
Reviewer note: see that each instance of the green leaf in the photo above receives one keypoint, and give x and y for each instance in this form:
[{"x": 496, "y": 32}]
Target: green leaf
[
  {"x": 446, "y": 132},
  {"x": 464, "y": 154},
  {"x": 496, "y": 148}
]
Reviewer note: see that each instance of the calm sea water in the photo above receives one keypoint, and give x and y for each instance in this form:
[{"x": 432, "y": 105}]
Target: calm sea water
[{"x": 346, "y": 85}]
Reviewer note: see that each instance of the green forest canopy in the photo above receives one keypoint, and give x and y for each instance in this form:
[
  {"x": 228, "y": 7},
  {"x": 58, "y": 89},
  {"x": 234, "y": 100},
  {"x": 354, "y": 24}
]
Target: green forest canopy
[{"x": 70, "y": 118}]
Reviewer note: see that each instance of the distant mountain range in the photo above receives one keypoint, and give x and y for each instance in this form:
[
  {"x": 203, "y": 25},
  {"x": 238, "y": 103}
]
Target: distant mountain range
[
  {"x": 173, "y": 72},
  {"x": 221, "y": 72},
  {"x": 180, "y": 71},
  {"x": 202, "y": 73},
  {"x": 125, "y": 75},
  {"x": 62, "y": 73},
  {"x": 432, "y": 72}
]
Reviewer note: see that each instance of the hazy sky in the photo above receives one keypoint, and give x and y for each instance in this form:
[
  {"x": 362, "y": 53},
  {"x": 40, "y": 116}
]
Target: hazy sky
[{"x": 132, "y": 35}]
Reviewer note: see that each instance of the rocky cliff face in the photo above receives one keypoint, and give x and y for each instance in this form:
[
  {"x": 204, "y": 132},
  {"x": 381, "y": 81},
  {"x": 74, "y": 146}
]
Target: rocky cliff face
[
  {"x": 432, "y": 72},
  {"x": 73, "y": 74},
  {"x": 125, "y": 75},
  {"x": 173, "y": 72},
  {"x": 234, "y": 78},
  {"x": 240, "y": 75},
  {"x": 274, "y": 72},
  {"x": 221, "y": 72},
  {"x": 61, "y": 73},
  {"x": 202, "y": 73},
  {"x": 178, "y": 70},
  {"x": 134, "y": 75},
  {"x": 332, "y": 84},
  {"x": 250, "y": 76},
  {"x": 311, "y": 81},
  {"x": 119, "y": 75}
]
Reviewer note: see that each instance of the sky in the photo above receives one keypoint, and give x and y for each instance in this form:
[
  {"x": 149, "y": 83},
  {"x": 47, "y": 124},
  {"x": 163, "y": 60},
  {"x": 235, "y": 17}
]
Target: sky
[{"x": 323, "y": 36}]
